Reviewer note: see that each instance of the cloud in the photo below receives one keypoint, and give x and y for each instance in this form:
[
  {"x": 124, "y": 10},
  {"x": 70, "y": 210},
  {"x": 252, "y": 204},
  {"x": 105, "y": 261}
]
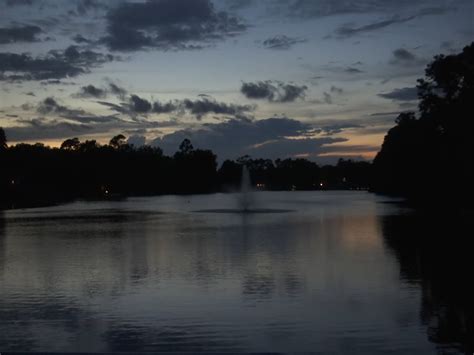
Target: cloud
[
  {"x": 282, "y": 42},
  {"x": 117, "y": 90},
  {"x": 205, "y": 105},
  {"x": 327, "y": 98},
  {"x": 51, "y": 106},
  {"x": 55, "y": 65},
  {"x": 12, "y": 3},
  {"x": 352, "y": 70},
  {"x": 19, "y": 34},
  {"x": 320, "y": 8},
  {"x": 269, "y": 138},
  {"x": 168, "y": 24},
  {"x": 338, "y": 127},
  {"x": 167, "y": 107},
  {"x": 273, "y": 91},
  {"x": 139, "y": 105},
  {"x": 85, "y": 6},
  {"x": 199, "y": 108},
  {"x": 336, "y": 90},
  {"x": 40, "y": 129},
  {"x": 403, "y": 94},
  {"x": 348, "y": 31},
  {"x": 403, "y": 55},
  {"x": 91, "y": 91},
  {"x": 80, "y": 39}
]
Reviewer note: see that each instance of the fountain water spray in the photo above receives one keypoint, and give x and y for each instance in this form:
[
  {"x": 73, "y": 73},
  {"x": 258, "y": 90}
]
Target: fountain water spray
[{"x": 246, "y": 196}]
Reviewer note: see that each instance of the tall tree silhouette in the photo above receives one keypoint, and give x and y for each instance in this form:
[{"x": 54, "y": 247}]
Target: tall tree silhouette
[
  {"x": 71, "y": 144},
  {"x": 432, "y": 153},
  {"x": 3, "y": 139},
  {"x": 117, "y": 141}
]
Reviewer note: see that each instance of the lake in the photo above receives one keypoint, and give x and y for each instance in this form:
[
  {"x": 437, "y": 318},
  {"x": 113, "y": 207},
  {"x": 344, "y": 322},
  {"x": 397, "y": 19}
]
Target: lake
[{"x": 332, "y": 272}]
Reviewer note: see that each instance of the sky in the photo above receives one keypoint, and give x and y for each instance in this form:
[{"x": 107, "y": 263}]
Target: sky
[{"x": 319, "y": 79}]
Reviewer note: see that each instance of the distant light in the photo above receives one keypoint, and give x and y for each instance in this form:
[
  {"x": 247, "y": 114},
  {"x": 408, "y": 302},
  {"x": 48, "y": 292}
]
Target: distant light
[
  {"x": 13, "y": 182},
  {"x": 321, "y": 184},
  {"x": 106, "y": 192}
]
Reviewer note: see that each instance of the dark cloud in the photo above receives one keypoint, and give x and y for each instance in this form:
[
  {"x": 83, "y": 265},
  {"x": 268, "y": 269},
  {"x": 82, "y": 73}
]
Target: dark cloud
[
  {"x": 352, "y": 70},
  {"x": 139, "y": 105},
  {"x": 168, "y": 24},
  {"x": 403, "y": 94},
  {"x": 320, "y": 8},
  {"x": 85, "y": 6},
  {"x": 199, "y": 108},
  {"x": 204, "y": 106},
  {"x": 165, "y": 107},
  {"x": 120, "y": 108},
  {"x": 19, "y": 34},
  {"x": 20, "y": 2},
  {"x": 282, "y": 42},
  {"x": 46, "y": 128},
  {"x": 403, "y": 55},
  {"x": 334, "y": 128},
  {"x": 336, "y": 90},
  {"x": 405, "y": 58},
  {"x": 80, "y": 39},
  {"x": 327, "y": 98},
  {"x": 347, "y": 30},
  {"x": 55, "y": 65},
  {"x": 41, "y": 128},
  {"x": 273, "y": 91},
  {"x": 51, "y": 106},
  {"x": 117, "y": 90},
  {"x": 239, "y": 4},
  {"x": 267, "y": 138},
  {"x": 390, "y": 113},
  {"x": 91, "y": 91}
]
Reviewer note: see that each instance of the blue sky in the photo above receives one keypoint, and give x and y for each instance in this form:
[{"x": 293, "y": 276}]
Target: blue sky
[{"x": 270, "y": 78}]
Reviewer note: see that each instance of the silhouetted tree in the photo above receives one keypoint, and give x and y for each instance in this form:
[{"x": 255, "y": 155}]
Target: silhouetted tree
[
  {"x": 186, "y": 147},
  {"x": 71, "y": 144},
  {"x": 117, "y": 141},
  {"x": 89, "y": 145},
  {"x": 432, "y": 154},
  {"x": 3, "y": 139}
]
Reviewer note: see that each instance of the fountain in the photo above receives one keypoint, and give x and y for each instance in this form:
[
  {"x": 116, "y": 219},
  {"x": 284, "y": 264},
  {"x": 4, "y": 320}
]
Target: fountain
[{"x": 245, "y": 199}]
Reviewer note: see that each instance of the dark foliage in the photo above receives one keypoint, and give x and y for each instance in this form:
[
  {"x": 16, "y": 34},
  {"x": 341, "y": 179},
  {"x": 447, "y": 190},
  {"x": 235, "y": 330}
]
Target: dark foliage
[
  {"x": 32, "y": 174},
  {"x": 432, "y": 154}
]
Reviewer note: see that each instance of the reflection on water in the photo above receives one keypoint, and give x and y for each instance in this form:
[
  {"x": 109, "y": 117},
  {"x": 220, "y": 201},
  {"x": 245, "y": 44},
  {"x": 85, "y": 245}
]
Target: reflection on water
[
  {"x": 435, "y": 255},
  {"x": 341, "y": 273}
]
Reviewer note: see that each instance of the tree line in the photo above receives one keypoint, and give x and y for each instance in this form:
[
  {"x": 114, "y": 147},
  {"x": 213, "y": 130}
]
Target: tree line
[
  {"x": 427, "y": 155},
  {"x": 35, "y": 173}
]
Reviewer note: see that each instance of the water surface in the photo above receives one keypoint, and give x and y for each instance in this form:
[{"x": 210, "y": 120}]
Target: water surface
[{"x": 334, "y": 272}]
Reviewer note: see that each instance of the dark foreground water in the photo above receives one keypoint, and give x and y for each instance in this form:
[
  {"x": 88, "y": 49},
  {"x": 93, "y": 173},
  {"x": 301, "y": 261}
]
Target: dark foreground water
[{"x": 330, "y": 272}]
